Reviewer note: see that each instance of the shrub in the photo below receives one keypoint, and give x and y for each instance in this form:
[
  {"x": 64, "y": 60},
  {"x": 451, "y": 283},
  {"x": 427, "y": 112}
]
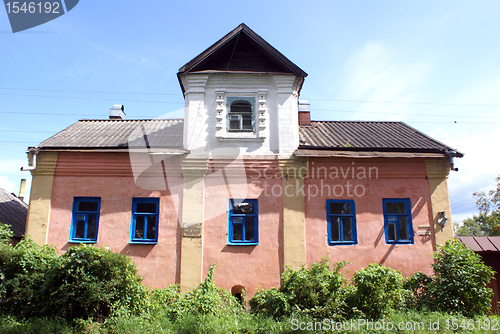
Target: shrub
[
  {"x": 378, "y": 290},
  {"x": 419, "y": 284},
  {"x": 317, "y": 291},
  {"x": 460, "y": 280},
  {"x": 89, "y": 282},
  {"x": 22, "y": 270},
  {"x": 207, "y": 298},
  {"x": 5, "y": 233}
]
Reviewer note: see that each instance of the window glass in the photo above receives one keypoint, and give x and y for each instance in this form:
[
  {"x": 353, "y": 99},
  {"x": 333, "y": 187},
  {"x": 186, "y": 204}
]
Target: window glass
[
  {"x": 341, "y": 219},
  {"x": 243, "y": 222},
  {"x": 145, "y": 216},
  {"x": 395, "y": 207},
  {"x": 397, "y": 221},
  {"x": 85, "y": 219},
  {"x": 89, "y": 206}
]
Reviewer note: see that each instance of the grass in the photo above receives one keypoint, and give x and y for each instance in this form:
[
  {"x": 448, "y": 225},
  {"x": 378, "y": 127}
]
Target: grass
[{"x": 244, "y": 322}]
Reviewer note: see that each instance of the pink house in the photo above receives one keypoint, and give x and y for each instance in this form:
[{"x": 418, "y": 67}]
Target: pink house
[{"x": 245, "y": 180}]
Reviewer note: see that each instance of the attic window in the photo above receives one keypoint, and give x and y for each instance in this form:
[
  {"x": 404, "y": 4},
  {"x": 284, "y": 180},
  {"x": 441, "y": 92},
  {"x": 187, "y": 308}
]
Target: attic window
[{"x": 240, "y": 117}]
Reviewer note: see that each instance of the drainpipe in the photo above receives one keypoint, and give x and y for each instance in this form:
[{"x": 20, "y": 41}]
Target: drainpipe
[
  {"x": 451, "y": 155},
  {"x": 31, "y": 161}
]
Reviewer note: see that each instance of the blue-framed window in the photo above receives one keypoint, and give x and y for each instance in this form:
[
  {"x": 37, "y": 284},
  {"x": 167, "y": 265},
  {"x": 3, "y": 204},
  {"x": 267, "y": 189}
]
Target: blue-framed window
[
  {"x": 145, "y": 213},
  {"x": 243, "y": 222},
  {"x": 241, "y": 115},
  {"x": 341, "y": 217},
  {"x": 85, "y": 220},
  {"x": 397, "y": 221}
]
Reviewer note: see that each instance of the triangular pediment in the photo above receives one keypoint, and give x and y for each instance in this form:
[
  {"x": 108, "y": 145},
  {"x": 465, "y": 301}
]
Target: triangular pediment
[{"x": 242, "y": 51}]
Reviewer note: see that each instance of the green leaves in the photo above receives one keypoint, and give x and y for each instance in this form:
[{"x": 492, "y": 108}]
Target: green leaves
[{"x": 460, "y": 280}]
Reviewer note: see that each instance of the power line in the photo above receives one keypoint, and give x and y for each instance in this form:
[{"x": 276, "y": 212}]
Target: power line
[
  {"x": 88, "y": 98},
  {"x": 405, "y": 114},
  {"x": 402, "y": 102},
  {"x": 84, "y": 91}
]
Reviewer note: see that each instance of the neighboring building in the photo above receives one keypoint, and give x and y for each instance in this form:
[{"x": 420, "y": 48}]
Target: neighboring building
[
  {"x": 245, "y": 181},
  {"x": 13, "y": 212},
  {"x": 489, "y": 250}
]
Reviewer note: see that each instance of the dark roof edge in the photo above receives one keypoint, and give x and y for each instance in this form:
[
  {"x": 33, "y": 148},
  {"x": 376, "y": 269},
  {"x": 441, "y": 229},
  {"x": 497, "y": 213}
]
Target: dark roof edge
[{"x": 373, "y": 149}]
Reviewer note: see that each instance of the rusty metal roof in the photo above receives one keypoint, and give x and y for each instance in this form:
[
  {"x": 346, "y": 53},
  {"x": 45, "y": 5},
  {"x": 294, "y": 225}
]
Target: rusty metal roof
[
  {"x": 118, "y": 134},
  {"x": 13, "y": 212},
  {"x": 481, "y": 244},
  {"x": 368, "y": 135}
]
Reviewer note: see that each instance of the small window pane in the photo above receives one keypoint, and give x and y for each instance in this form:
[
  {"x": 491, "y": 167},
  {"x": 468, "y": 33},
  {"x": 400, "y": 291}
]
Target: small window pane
[
  {"x": 395, "y": 207},
  {"x": 80, "y": 228},
  {"x": 403, "y": 228},
  {"x": 91, "y": 227},
  {"x": 139, "y": 227},
  {"x": 151, "y": 230},
  {"x": 241, "y": 106},
  {"x": 391, "y": 229},
  {"x": 234, "y": 124},
  {"x": 249, "y": 229},
  {"x": 247, "y": 124},
  {"x": 146, "y": 207},
  {"x": 347, "y": 229},
  {"x": 243, "y": 208},
  {"x": 335, "y": 228},
  {"x": 238, "y": 232},
  {"x": 89, "y": 206},
  {"x": 338, "y": 208}
]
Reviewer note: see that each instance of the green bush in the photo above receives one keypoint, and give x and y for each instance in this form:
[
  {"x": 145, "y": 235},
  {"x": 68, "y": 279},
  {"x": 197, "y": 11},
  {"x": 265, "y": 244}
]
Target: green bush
[
  {"x": 207, "y": 298},
  {"x": 5, "y": 233},
  {"x": 460, "y": 281},
  {"x": 419, "y": 284},
  {"x": 90, "y": 282},
  {"x": 378, "y": 290},
  {"x": 22, "y": 270},
  {"x": 316, "y": 291}
]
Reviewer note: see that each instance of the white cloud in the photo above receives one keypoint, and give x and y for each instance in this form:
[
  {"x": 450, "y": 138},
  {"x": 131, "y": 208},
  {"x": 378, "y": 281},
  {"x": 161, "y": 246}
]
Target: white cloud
[
  {"x": 375, "y": 73},
  {"x": 6, "y": 184}
]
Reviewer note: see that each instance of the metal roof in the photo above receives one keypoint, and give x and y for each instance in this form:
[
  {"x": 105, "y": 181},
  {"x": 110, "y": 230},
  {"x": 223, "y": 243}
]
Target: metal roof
[
  {"x": 368, "y": 135},
  {"x": 13, "y": 212},
  {"x": 118, "y": 134},
  {"x": 482, "y": 244}
]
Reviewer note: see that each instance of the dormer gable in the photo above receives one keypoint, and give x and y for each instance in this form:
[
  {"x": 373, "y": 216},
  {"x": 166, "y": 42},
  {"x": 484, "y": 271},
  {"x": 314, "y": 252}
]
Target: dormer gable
[{"x": 241, "y": 51}]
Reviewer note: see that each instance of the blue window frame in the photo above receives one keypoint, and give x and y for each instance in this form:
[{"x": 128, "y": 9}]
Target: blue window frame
[
  {"x": 85, "y": 219},
  {"x": 243, "y": 222},
  {"x": 341, "y": 217},
  {"x": 397, "y": 221},
  {"x": 145, "y": 213}
]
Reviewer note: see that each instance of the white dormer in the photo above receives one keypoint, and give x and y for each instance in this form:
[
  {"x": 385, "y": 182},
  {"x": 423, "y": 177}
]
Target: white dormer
[{"x": 241, "y": 92}]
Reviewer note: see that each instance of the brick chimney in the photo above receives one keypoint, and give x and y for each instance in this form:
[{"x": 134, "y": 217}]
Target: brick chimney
[
  {"x": 304, "y": 112},
  {"x": 117, "y": 112}
]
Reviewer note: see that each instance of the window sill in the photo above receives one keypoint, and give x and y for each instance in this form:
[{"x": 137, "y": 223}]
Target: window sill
[
  {"x": 399, "y": 242},
  {"x": 342, "y": 243},
  {"x": 145, "y": 242},
  {"x": 76, "y": 241},
  {"x": 242, "y": 243}
]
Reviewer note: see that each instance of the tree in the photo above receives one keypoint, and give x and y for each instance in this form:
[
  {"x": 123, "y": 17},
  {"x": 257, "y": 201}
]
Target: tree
[{"x": 487, "y": 222}]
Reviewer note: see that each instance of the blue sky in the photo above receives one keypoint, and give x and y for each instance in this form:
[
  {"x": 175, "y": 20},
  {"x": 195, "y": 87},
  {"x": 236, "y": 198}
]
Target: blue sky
[{"x": 432, "y": 64}]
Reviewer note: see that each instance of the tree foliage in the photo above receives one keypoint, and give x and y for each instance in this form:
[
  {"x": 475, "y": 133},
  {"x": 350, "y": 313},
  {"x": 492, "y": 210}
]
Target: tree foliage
[
  {"x": 487, "y": 221},
  {"x": 460, "y": 280}
]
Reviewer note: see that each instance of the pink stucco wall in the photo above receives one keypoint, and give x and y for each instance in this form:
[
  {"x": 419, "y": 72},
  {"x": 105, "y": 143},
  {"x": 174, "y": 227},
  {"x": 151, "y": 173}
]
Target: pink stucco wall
[
  {"x": 251, "y": 267},
  {"x": 394, "y": 179},
  {"x": 156, "y": 263},
  {"x": 110, "y": 177}
]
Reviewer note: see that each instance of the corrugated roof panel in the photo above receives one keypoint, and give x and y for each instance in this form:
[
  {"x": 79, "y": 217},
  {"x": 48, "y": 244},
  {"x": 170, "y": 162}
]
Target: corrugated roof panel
[
  {"x": 366, "y": 135},
  {"x": 13, "y": 212},
  {"x": 158, "y": 133},
  {"x": 471, "y": 243}
]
